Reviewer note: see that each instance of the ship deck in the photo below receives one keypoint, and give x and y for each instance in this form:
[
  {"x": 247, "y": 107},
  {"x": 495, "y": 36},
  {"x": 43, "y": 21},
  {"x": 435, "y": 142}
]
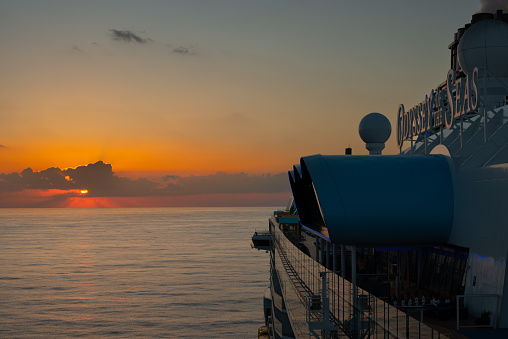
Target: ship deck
[{"x": 301, "y": 280}]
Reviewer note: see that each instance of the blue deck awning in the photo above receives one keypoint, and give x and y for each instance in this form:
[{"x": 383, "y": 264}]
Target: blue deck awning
[{"x": 375, "y": 200}]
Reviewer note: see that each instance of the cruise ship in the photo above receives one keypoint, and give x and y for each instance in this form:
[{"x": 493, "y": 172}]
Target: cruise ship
[{"x": 412, "y": 245}]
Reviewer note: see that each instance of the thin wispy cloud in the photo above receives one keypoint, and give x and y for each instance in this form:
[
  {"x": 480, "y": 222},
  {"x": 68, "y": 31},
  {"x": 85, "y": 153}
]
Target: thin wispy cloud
[
  {"x": 77, "y": 49},
  {"x": 127, "y": 36},
  {"x": 184, "y": 50}
]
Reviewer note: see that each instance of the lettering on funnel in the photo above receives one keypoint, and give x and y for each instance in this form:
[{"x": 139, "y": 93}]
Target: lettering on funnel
[{"x": 440, "y": 108}]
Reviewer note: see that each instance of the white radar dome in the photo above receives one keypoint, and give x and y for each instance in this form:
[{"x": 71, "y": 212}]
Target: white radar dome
[
  {"x": 375, "y": 128},
  {"x": 485, "y": 44}
]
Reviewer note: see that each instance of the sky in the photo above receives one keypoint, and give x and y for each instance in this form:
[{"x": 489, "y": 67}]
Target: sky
[{"x": 202, "y": 102}]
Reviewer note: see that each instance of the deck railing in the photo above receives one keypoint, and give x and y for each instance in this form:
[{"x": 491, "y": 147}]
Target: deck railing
[{"x": 360, "y": 316}]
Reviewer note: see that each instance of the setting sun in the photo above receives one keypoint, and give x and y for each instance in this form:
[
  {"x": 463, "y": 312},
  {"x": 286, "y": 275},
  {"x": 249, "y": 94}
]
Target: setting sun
[{"x": 84, "y": 191}]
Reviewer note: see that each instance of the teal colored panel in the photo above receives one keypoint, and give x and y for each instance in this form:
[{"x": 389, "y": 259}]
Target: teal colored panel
[
  {"x": 288, "y": 220},
  {"x": 380, "y": 200}
]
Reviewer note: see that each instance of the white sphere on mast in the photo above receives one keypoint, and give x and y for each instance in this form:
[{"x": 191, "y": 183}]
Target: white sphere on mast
[{"x": 375, "y": 129}]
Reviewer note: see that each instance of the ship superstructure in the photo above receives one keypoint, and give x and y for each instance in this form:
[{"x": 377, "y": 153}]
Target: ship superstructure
[{"x": 402, "y": 246}]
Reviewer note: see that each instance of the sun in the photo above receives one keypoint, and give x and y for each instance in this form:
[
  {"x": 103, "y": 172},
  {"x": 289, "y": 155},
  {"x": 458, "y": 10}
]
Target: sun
[{"x": 84, "y": 191}]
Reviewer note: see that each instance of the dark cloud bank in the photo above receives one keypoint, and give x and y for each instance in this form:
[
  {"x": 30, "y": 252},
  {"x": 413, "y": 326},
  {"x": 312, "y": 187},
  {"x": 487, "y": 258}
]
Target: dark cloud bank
[{"x": 100, "y": 181}]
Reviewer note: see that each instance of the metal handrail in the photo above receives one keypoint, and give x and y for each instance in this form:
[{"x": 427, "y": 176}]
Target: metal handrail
[{"x": 377, "y": 316}]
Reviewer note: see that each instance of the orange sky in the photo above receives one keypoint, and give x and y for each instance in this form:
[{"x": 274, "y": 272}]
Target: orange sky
[{"x": 192, "y": 88}]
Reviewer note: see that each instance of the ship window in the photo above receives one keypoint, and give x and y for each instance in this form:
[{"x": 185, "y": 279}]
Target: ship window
[{"x": 443, "y": 270}]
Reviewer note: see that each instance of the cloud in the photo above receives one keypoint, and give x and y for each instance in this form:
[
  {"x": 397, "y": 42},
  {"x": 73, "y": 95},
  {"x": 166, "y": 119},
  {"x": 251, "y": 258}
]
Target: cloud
[
  {"x": 184, "y": 50},
  {"x": 2, "y": 146},
  {"x": 97, "y": 178},
  {"x": 100, "y": 181},
  {"x": 131, "y": 37},
  {"x": 227, "y": 183},
  {"x": 76, "y": 49},
  {"x": 127, "y": 36},
  {"x": 170, "y": 177},
  {"x": 491, "y": 6}
]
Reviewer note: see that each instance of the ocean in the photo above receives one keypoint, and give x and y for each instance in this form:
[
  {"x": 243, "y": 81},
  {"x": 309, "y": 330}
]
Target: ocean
[{"x": 134, "y": 272}]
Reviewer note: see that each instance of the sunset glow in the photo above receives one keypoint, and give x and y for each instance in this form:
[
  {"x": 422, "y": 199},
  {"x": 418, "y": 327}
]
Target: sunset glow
[{"x": 193, "y": 100}]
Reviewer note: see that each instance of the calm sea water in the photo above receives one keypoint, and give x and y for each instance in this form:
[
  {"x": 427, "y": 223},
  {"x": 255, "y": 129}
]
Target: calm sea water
[{"x": 138, "y": 272}]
